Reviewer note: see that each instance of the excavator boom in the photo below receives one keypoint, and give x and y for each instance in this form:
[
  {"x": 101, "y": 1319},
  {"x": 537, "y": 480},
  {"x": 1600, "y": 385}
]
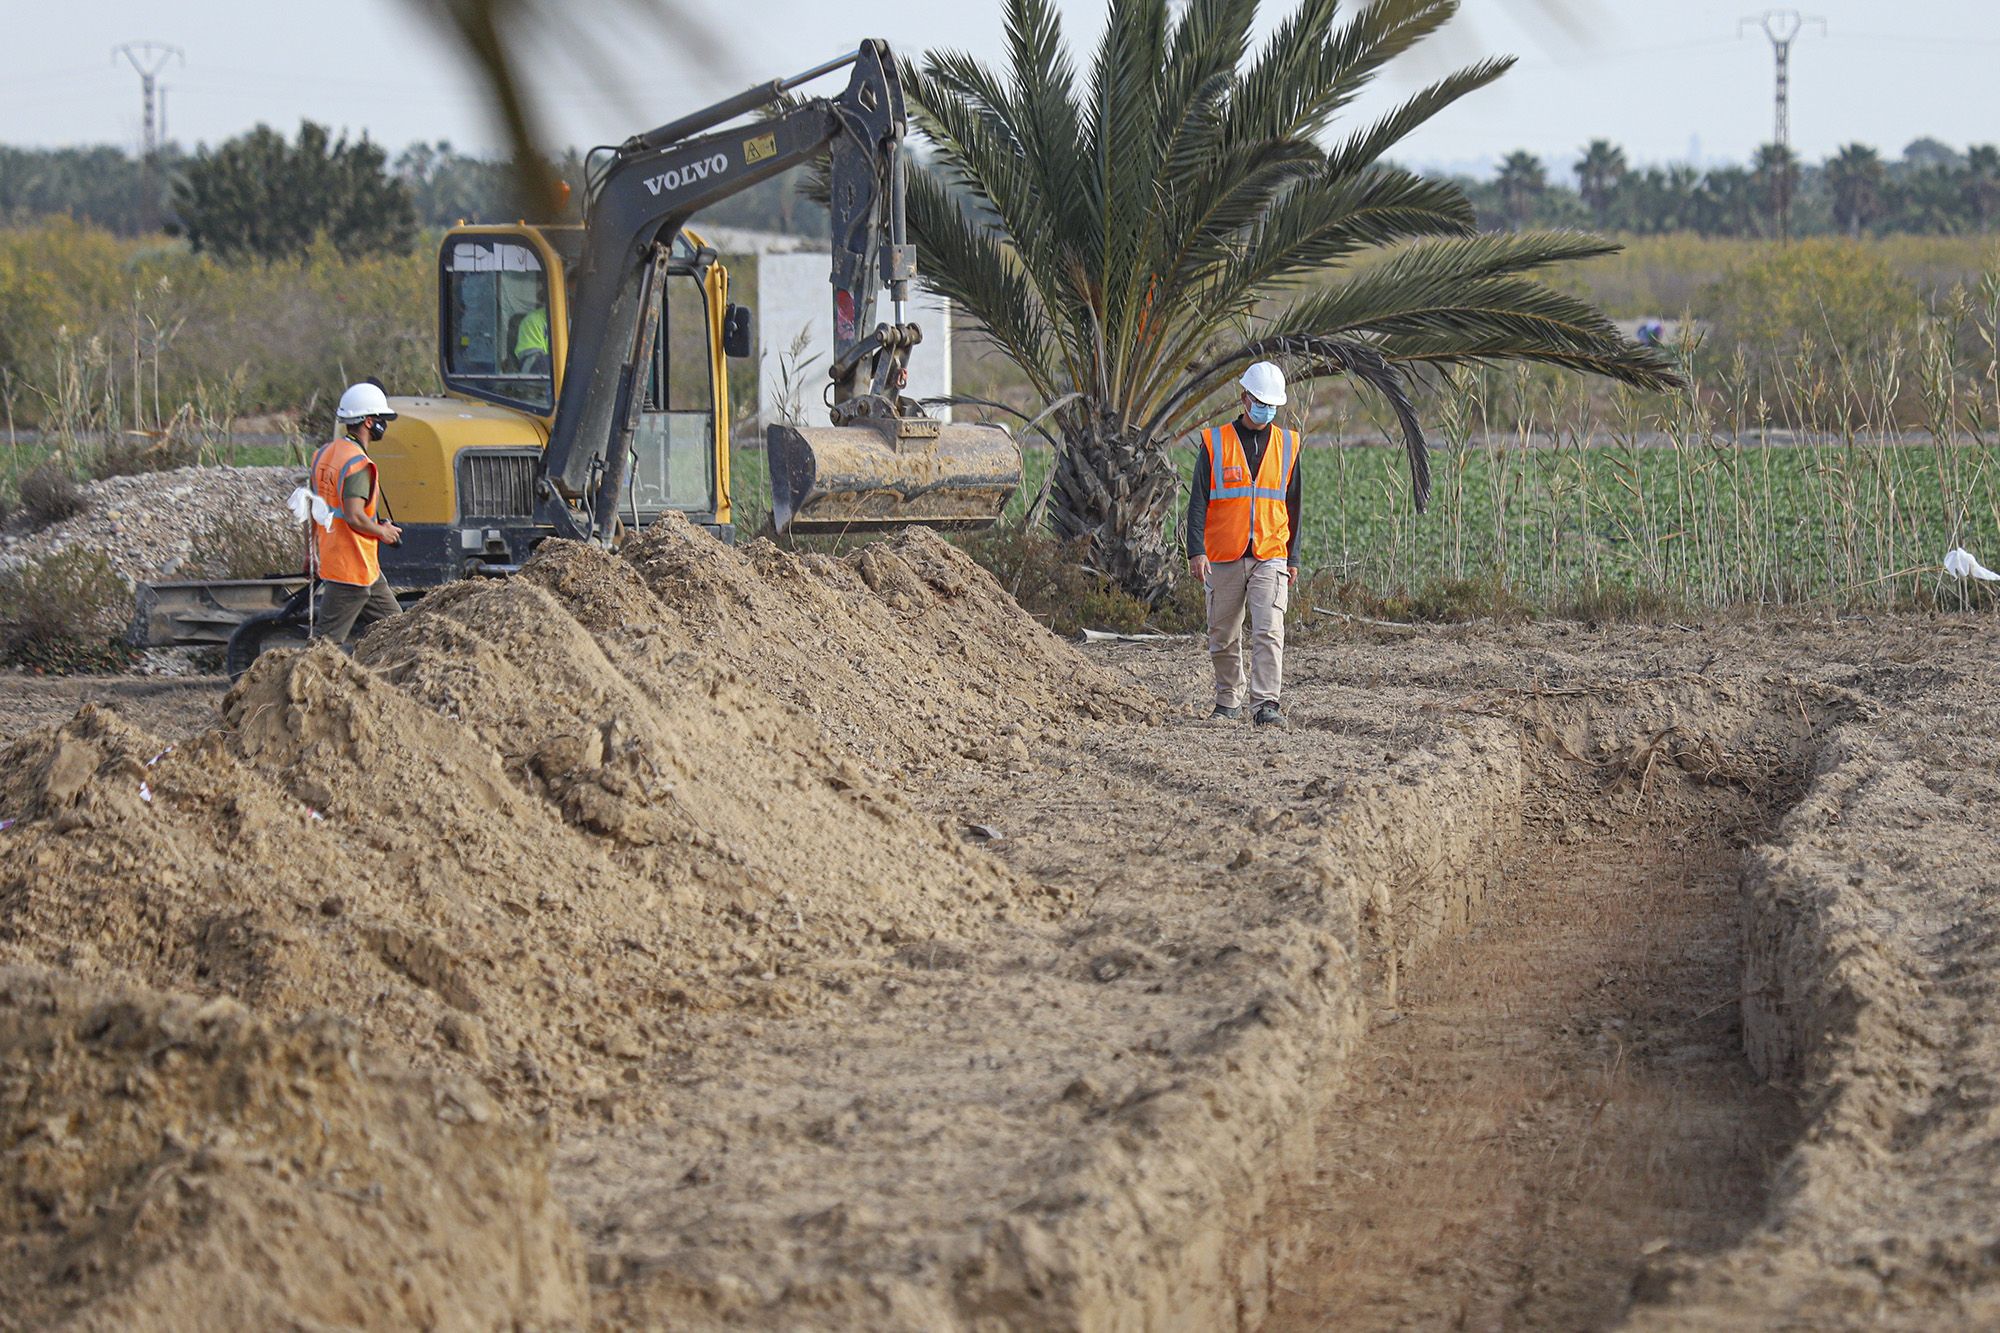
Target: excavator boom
[{"x": 888, "y": 464}]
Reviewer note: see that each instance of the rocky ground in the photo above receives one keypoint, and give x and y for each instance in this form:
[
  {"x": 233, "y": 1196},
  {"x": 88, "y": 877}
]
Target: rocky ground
[
  {"x": 146, "y": 524},
  {"x": 743, "y": 939}
]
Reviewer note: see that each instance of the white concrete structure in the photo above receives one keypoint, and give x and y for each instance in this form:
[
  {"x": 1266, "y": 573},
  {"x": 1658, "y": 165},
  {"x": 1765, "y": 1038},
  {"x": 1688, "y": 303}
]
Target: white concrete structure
[{"x": 795, "y": 309}]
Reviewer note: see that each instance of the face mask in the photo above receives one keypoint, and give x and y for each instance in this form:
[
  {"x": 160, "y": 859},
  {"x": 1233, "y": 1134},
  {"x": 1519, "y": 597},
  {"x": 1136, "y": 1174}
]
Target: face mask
[
  {"x": 1262, "y": 414},
  {"x": 377, "y": 428}
]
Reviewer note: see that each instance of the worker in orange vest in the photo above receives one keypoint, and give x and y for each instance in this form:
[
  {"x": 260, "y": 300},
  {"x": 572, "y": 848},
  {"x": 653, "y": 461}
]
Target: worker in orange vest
[
  {"x": 1243, "y": 543},
  {"x": 344, "y": 551}
]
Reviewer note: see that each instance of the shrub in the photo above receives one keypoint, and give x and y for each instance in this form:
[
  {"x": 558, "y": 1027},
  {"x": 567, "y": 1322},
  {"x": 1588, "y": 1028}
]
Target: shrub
[
  {"x": 131, "y": 455},
  {"x": 1814, "y": 311},
  {"x": 1438, "y": 600},
  {"x": 77, "y": 304},
  {"x": 64, "y": 612},
  {"x": 50, "y": 495},
  {"x": 240, "y": 546},
  {"x": 1051, "y": 585},
  {"x": 1613, "y": 603}
]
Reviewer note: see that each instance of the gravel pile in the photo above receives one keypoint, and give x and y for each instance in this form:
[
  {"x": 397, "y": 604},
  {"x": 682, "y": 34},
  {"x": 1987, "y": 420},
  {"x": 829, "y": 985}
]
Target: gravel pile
[{"x": 146, "y": 523}]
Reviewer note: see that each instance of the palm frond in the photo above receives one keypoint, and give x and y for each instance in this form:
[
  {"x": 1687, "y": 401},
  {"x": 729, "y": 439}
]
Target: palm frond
[
  {"x": 1621, "y": 359},
  {"x": 969, "y": 267},
  {"x": 1330, "y": 218},
  {"x": 1120, "y": 125},
  {"x": 1436, "y": 275},
  {"x": 1363, "y": 148}
]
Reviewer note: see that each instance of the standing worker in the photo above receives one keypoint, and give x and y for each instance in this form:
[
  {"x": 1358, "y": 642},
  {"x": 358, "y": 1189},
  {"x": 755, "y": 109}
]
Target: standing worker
[
  {"x": 344, "y": 554},
  {"x": 1243, "y": 543}
]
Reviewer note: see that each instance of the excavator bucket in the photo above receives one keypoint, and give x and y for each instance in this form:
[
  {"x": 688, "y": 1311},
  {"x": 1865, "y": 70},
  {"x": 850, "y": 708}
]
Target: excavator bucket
[{"x": 889, "y": 474}]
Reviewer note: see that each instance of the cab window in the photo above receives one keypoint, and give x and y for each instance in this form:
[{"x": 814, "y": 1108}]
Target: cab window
[{"x": 496, "y": 322}]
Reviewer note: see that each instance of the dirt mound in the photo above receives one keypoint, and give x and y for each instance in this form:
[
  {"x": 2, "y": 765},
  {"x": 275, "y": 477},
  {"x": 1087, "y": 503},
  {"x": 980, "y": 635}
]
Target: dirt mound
[
  {"x": 540, "y": 833},
  {"x": 529, "y": 826},
  {"x": 173, "y": 1163},
  {"x": 907, "y": 652}
]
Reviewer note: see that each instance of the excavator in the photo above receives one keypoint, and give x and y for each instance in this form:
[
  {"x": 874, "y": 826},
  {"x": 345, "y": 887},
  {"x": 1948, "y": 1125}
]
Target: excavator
[{"x": 584, "y": 372}]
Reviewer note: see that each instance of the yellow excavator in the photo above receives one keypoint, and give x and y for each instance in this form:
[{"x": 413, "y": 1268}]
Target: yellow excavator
[{"x": 584, "y": 372}]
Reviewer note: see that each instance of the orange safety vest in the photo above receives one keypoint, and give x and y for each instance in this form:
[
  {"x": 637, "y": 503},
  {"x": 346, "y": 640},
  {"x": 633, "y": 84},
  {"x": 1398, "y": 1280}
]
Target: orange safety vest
[
  {"x": 1246, "y": 515},
  {"x": 344, "y": 555}
]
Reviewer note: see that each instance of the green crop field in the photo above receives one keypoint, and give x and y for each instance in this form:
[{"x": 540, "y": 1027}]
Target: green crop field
[{"x": 1865, "y": 523}]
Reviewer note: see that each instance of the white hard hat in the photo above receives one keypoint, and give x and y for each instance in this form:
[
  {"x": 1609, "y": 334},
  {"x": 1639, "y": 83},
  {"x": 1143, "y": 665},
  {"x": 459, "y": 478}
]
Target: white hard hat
[
  {"x": 1265, "y": 382},
  {"x": 363, "y": 400}
]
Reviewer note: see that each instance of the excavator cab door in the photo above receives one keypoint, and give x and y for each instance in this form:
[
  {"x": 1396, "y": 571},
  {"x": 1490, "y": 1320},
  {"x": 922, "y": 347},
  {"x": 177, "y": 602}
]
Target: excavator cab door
[{"x": 674, "y": 442}]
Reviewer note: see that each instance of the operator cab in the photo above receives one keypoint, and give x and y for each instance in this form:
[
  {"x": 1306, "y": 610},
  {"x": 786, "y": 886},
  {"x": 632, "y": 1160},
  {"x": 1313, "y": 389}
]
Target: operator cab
[
  {"x": 496, "y": 322},
  {"x": 503, "y": 340}
]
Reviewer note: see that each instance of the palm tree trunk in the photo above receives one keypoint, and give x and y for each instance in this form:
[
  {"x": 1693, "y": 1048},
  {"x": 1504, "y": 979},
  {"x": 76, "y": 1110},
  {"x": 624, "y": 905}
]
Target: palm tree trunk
[{"x": 1116, "y": 489}]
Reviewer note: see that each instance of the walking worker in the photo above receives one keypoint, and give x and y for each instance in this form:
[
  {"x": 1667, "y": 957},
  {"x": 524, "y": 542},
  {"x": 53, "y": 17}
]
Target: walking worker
[
  {"x": 344, "y": 554},
  {"x": 1243, "y": 543}
]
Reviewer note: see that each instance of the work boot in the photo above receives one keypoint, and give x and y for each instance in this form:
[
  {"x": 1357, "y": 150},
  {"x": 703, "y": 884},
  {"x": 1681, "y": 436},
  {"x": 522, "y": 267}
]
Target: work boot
[
  {"x": 1226, "y": 713},
  {"x": 1267, "y": 714}
]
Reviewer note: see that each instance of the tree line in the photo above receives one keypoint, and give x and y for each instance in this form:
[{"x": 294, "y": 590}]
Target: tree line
[
  {"x": 265, "y": 196},
  {"x": 260, "y": 194},
  {"x": 1932, "y": 190}
]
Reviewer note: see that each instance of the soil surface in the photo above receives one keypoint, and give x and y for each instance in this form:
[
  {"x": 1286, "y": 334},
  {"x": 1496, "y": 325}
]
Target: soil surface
[
  {"x": 741, "y": 939},
  {"x": 1562, "y": 1089}
]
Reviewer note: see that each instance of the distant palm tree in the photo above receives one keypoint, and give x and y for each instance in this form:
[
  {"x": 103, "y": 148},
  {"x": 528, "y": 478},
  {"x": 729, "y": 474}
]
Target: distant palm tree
[
  {"x": 1680, "y": 195},
  {"x": 1599, "y": 172},
  {"x": 1927, "y": 201},
  {"x": 1854, "y": 175},
  {"x": 1522, "y": 182},
  {"x": 1133, "y": 238},
  {"x": 1730, "y": 202}
]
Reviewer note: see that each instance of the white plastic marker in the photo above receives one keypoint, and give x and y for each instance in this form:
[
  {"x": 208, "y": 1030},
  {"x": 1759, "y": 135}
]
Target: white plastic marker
[
  {"x": 1959, "y": 563},
  {"x": 308, "y": 507}
]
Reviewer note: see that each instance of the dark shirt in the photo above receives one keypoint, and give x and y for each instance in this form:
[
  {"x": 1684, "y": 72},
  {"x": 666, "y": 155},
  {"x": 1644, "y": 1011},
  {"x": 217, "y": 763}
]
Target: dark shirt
[{"x": 1254, "y": 438}]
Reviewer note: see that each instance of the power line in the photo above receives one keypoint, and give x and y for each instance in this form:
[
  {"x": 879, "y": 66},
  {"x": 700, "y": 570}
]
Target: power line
[
  {"x": 1783, "y": 26},
  {"x": 148, "y": 58}
]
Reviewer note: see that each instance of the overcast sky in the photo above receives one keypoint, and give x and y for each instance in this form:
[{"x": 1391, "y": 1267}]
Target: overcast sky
[{"x": 1670, "y": 80}]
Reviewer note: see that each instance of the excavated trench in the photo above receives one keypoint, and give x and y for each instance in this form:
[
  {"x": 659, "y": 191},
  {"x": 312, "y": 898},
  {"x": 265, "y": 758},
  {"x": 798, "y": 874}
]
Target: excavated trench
[{"x": 1555, "y": 1101}]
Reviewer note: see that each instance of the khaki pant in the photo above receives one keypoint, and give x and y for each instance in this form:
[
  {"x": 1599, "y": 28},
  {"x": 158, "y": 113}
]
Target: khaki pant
[
  {"x": 1259, "y": 586},
  {"x": 345, "y": 607}
]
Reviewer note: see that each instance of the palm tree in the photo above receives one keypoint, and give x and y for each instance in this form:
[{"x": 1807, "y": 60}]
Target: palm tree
[
  {"x": 1599, "y": 172},
  {"x": 1522, "y": 181},
  {"x": 1134, "y": 237},
  {"x": 1926, "y": 201},
  {"x": 1729, "y": 203},
  {"x": 1854, "y": 176}
]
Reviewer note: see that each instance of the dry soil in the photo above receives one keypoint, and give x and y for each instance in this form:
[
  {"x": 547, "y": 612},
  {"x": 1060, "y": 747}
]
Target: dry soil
[{"x": 735, "y": 938}]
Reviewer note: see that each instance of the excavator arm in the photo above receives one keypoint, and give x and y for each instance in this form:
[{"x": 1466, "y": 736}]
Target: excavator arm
[{"x": 637, "y": 205}]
